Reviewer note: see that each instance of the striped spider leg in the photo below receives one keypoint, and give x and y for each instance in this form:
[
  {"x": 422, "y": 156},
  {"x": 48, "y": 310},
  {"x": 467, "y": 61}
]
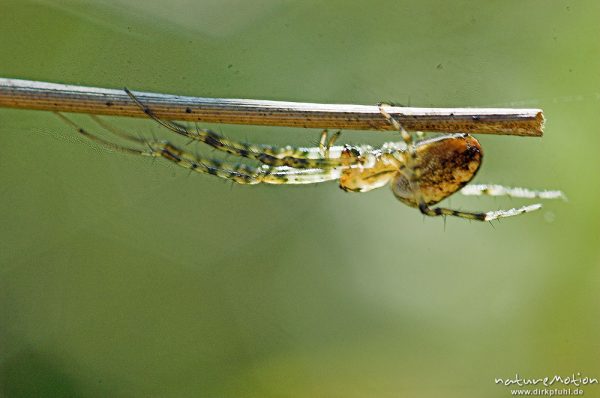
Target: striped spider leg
[
  {"x": 324, "y": 157},
  {"x": 499, "y": 190},
  {"x": 434, "y": 169},
  {"x": 238, "y": 173}
]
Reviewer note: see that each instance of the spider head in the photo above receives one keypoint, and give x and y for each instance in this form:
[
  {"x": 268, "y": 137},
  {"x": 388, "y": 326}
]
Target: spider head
[{"x": 445, "y": 164}]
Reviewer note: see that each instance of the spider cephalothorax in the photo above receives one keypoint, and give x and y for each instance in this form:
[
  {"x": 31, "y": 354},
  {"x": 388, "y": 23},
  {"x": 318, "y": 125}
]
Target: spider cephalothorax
[{"x": 421, "y": 173}]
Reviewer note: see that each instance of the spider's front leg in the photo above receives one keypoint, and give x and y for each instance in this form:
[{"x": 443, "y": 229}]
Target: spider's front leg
[
  {"x": 512, "y": 192},
  {"x": 301, "y": 158},
  {"x": 238, "y": 173}
]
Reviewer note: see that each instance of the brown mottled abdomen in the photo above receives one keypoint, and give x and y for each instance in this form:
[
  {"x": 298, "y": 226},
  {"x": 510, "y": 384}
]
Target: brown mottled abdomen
[{"x": 446, "y": 164}]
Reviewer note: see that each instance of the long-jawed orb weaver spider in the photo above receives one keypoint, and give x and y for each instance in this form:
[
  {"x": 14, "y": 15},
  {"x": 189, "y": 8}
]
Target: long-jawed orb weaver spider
[{"x": 421, "y": 173}]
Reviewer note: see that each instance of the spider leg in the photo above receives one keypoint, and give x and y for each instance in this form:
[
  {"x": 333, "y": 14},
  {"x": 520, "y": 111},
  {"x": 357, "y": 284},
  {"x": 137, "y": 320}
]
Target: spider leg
[
  {"x": 405, "y": 134},
  {"x": 241, "y": 174},
  {"x": 116, "y": 131},
  {"x": 288, "y": 175},
  {"x": 269, "y": 155},
  {"x": 478, "y": 216},
  {"x": 499, "y": 190},
  {"x": 325, "y": 144},
  {"x": 101, "y": 141},
  {"x": 412, "y": 170},
  {"x": 244, "y": 174}
]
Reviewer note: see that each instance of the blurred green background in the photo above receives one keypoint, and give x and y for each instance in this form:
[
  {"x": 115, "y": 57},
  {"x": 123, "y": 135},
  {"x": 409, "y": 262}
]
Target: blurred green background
[{"x": 124, "y": 277}]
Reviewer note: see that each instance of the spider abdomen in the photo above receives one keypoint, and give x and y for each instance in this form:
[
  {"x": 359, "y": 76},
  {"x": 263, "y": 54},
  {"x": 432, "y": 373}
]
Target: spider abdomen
[{"x": 443, "y": 165}]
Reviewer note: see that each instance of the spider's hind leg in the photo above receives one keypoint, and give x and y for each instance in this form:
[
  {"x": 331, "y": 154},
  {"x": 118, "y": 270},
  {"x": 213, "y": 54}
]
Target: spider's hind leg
[
  {"x": 499, "y": 190},
  {"x": 478, "y": 216}
]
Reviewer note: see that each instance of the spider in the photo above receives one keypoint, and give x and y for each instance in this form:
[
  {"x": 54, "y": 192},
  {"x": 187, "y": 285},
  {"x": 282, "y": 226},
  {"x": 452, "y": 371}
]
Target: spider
[{"x": 421, "y": 173}]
